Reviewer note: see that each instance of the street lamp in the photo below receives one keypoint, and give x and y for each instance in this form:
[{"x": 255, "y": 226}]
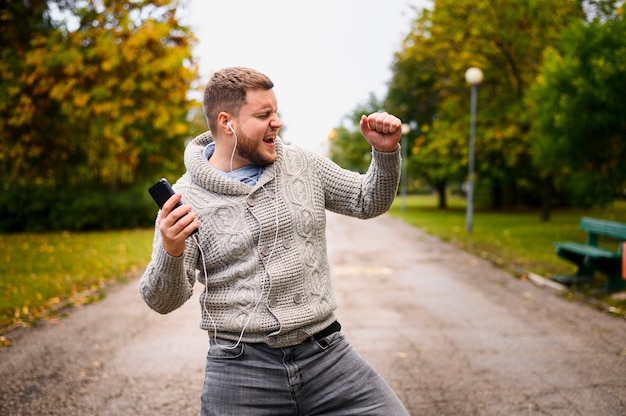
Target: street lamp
[
  {"x": 406, "y": 129},
  {"x": 473, "y": 76}
]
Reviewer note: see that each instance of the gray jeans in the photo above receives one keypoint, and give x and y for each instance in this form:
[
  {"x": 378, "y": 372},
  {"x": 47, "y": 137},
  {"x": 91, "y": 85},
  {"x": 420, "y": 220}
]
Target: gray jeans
[{"x": 325, "y": 377}]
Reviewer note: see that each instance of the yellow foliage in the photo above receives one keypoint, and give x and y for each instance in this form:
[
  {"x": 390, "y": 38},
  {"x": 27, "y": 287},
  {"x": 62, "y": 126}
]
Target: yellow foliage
[
  {"x": 108, "y": 64},
  {"x": 122, "y": 78},
  {"x": 81, "y": 100},
  {"x": 180, "y": 128}
]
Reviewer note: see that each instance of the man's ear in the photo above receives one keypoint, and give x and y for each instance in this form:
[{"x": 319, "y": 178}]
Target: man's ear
[{"x": 224, "y": 123}]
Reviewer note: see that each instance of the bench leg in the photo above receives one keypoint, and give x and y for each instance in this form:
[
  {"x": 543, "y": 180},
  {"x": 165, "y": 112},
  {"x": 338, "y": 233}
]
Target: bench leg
[
  {"x": 612, "y": 268},
  {"x": 584, "y": 274},
  {"x": 572, "y": 279},
  {"x": 615, "y": 283}
]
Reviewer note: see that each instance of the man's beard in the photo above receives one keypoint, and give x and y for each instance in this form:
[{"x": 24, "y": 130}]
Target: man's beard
[{"x": 248, "y": 149}]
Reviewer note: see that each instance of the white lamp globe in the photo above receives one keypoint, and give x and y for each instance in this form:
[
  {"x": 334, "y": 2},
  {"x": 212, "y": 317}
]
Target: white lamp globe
[{"x": 474, "y": 76}]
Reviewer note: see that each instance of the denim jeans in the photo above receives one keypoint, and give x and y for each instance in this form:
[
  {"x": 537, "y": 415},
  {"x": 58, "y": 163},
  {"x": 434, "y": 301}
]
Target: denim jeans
[{"x": 324, "y": 377}]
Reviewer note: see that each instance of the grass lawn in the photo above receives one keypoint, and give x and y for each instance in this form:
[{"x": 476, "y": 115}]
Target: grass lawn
[
  {"x": 42, "y": 272},
  {"x": 515, "y": 240}
]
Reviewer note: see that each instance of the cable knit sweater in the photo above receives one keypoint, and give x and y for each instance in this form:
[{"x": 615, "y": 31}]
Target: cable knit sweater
[{"x": 264, "y": 246}]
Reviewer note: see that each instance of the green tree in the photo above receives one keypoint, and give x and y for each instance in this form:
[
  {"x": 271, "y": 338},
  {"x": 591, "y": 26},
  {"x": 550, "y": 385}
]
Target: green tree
[
  {"x": 505, "y": 38},
  {"x": 415, "y": 94},
  {"x": 579, "y": 133}
]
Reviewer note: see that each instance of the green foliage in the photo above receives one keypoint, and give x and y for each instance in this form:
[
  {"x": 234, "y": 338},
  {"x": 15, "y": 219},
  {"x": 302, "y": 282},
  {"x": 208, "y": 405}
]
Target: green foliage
[
  {"x": 79, "y": 208},
  {"x": 503, "y": 38},
  {"x": 579, "y": 134}
]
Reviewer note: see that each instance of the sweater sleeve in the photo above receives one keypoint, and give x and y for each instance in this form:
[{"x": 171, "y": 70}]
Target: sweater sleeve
[
  {"x": 361, "y": 195},
  {"x": 167, "y": 282}
]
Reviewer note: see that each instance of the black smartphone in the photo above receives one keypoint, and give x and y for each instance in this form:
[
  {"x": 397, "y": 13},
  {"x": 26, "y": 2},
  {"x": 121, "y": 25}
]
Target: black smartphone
[{"x": 161, "y": 192}]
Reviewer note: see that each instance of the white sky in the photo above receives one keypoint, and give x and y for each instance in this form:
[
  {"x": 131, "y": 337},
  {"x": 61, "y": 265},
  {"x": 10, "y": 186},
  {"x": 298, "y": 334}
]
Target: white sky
[{"x": 324, "y": 56}]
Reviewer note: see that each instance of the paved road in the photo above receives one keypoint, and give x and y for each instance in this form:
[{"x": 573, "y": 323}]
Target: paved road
[{"x": 452, "y": 335}]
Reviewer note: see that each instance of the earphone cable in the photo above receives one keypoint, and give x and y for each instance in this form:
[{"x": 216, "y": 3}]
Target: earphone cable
[{"x": 262, "y": 288}]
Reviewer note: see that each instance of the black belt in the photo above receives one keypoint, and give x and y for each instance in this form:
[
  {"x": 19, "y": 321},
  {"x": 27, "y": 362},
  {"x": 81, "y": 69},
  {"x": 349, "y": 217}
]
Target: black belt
[{"x": 331, "y": 329}]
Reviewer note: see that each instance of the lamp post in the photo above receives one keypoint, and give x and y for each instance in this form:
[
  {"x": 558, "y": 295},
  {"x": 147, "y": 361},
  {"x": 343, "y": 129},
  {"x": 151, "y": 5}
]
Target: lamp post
[
  {"x": 406, "y": 129},
  {"x": 473, "y": 76}
]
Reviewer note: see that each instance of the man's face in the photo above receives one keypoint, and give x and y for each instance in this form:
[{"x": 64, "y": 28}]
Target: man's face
[{"x": 257, "y": 127}]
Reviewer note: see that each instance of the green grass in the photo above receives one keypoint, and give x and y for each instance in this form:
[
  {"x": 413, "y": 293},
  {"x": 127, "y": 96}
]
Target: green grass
[
  {"x": 41, "y": 273},
  {"x": 515, "y": 240}
]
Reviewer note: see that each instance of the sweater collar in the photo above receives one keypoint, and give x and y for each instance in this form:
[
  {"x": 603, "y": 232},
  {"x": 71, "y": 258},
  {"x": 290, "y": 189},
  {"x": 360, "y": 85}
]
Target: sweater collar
[{"x": 204, "y": 175}]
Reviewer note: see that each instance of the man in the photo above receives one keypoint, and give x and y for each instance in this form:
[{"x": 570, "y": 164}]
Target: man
[{"x": 260, "y": 251}]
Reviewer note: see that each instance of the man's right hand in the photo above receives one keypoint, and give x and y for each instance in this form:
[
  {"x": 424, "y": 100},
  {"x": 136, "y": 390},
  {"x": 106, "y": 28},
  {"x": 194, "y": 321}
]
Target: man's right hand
[{"x": 176, "y": 225}]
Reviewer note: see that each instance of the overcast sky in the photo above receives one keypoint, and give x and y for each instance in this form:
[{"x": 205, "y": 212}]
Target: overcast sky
[{"x": 324, "y": 56}]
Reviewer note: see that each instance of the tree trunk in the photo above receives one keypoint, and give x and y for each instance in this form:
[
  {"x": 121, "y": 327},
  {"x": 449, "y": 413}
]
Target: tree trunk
[
  {"x": 496, "y": 194},
  {"x": 546, "y": 198},
  {"x": 440, "y": 187}
]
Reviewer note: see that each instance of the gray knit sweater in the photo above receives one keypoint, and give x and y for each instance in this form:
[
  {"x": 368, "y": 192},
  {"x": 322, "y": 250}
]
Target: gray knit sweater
[{"x": 264, "y": 246}]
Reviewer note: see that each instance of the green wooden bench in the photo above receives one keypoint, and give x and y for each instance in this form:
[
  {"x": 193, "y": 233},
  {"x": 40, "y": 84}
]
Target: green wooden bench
[{"x": 589, "y": 257}]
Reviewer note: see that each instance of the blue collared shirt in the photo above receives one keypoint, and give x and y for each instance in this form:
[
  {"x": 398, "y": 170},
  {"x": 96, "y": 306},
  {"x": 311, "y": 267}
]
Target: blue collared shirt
[{"x": 248, "y": 174}]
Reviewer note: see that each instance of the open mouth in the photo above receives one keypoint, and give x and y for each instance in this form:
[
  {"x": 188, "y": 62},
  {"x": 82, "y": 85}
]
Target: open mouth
[{"x": 269, "y": 140}]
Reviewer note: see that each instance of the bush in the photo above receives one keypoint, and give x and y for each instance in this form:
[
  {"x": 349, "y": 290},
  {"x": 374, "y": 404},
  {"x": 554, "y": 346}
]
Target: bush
[{"x": 41, "y": 208}]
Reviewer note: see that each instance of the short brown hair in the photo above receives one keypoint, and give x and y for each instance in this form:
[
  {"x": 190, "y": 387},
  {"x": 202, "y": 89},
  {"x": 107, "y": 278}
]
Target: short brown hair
[{"x": 226, "y": 91}]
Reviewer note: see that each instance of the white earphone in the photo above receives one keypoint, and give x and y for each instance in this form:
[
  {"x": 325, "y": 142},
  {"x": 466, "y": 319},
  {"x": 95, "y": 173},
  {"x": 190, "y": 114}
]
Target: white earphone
[
  {"x": 232, "y": 156},
  {"x": 230, "y": 127}
]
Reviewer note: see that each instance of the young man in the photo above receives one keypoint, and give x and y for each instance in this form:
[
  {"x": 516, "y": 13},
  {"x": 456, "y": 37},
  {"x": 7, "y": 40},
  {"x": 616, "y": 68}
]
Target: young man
[{"x": 260, "y": 252}]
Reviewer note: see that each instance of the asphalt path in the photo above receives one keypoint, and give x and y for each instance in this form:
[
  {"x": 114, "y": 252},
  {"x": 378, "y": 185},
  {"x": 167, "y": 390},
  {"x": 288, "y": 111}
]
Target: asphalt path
[{"x": 451, "y": 333}]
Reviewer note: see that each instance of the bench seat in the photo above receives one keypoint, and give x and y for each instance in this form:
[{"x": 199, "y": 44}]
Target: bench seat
[
  {"x": 590, "y": 257},
  {"x": 585, "y": 250}
]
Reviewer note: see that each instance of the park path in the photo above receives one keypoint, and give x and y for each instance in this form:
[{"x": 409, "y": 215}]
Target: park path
[{"x": 452, "y": 334}]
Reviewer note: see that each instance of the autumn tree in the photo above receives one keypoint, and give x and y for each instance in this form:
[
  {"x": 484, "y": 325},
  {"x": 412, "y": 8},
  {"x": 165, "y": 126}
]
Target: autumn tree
[{"x": 93, "y": 93}]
